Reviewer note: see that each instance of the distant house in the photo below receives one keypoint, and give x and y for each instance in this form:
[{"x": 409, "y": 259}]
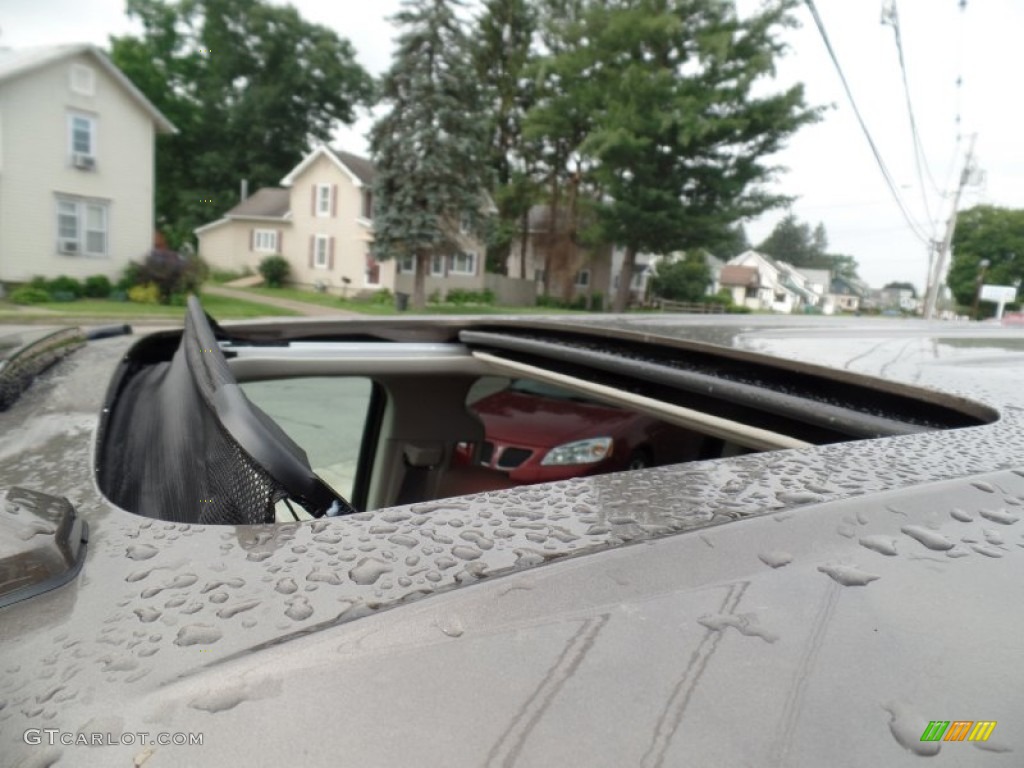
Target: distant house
[
  {"x": 76, "y": 164},
  {"x": 777, "y": 291},
  {"x": 575, "y": 270},
  {"x": 851, "y": 294},
  {"x": 743, "y": 284},
  {"x": 321, "y": 221},
  {"x": 778, "y": 286}
]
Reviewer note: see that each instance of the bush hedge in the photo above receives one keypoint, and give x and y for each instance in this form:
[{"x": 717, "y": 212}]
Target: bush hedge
[
  {"x": 26, "y": 294},
  {"x": 274, "y": 270}
]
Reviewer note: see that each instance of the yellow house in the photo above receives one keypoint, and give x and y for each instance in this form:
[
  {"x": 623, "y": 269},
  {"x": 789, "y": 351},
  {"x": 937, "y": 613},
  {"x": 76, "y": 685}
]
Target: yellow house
[{"x": 321, "y": 221}]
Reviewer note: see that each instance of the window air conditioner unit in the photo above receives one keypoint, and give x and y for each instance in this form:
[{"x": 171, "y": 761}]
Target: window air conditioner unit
[
  {"x": 84, "y": 161},
  {"x": 69, "y": 246}
]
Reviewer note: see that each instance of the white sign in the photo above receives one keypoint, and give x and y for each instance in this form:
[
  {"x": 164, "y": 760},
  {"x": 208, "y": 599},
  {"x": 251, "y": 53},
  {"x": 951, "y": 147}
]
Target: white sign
[{"x": 1001, "y": 294}]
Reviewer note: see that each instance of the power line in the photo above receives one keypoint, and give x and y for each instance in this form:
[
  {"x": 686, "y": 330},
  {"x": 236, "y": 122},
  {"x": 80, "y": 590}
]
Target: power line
[
  {"x": 914, "y": 226},
  {"x": 891, "y": 16}
]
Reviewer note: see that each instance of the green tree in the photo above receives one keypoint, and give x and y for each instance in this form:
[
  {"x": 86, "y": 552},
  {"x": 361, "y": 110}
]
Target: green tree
[
  {"x": 993, "y": 234},
  {"x": 502, "y": 56},
  {"x": 678, "y": 132},
  {"x": 796, "y": 243},
  {"x": 732, "y": 242},
  {"x": 685, "y": 279},
  {"x": 249, "y": 85},
  {"x": 430, "y": 149},
  {"x": 555, "y": 127}
]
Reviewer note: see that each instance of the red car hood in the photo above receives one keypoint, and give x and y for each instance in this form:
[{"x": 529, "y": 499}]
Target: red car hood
[{"x": 518, "y": 417}]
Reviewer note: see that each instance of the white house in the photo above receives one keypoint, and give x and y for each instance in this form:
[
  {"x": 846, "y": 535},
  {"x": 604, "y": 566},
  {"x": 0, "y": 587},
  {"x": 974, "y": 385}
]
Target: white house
[{"x": 76, "y": 164}]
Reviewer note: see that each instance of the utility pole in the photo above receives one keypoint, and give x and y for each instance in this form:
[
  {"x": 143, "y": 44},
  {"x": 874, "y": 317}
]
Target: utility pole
[{"x": 936, "y": 278}]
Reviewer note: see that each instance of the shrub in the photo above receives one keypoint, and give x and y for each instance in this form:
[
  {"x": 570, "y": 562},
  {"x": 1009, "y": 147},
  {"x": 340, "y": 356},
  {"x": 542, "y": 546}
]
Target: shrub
[
  {"x": 27, "y": 294},
  {"x": 738, "y": 309},
  {"x": 96, "y": 287},
  {"x": 462, "y": 296},
  {"x": 383, "y": 296},
  {"x": 434, "y": 297},
  {"x": 274, "y": 270},
  {"x": 549, "y": 301},
  {"x": 144, "y": 294},
  {"x": 130, "y": 277},
  {"x": 65, "y": 285},
  {"x": 39, "y": 282},
  {"x": 172, "y": 273}
]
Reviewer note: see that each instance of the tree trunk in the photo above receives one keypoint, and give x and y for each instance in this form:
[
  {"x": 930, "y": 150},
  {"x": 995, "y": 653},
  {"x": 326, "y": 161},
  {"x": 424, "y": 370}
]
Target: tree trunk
[
  {"x": 625, "y": 281},
  {"x": 419, "y": 282}
]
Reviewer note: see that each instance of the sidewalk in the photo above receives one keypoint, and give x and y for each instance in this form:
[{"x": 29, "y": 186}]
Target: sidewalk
[{"x": 296, "y": 306}]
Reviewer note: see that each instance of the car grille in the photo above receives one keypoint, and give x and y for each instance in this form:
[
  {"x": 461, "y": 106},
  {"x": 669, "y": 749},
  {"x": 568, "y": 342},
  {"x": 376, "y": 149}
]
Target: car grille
[
  {"x": 512, "y": 457},
  {"x": 486, "y": 452}
]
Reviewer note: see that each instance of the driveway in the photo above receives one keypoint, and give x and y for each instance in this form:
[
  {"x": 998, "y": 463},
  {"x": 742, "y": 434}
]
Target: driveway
[{"x": 296, "y": 306}]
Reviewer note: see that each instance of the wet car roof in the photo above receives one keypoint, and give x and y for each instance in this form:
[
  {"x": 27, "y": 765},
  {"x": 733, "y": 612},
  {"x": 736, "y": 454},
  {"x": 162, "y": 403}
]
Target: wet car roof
[{"x": 772, "y": 624}]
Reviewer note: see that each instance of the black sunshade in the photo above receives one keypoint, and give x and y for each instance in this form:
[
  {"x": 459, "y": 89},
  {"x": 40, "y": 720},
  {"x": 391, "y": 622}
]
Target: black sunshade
[{"x": 181, "y": 442}]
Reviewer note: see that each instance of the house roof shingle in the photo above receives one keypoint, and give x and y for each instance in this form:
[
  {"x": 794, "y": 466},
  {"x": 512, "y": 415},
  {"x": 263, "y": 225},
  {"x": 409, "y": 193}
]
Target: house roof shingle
[
  {"x": 360, "y": 166},
  {"x": 266, "y": 202},
  {"x": 734, "y": 275}
]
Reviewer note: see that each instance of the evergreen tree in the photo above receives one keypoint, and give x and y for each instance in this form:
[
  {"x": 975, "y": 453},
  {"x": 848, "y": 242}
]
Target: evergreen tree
[
  {"x": 430, "y": 149},
  {"x": 796, "y": 243}
]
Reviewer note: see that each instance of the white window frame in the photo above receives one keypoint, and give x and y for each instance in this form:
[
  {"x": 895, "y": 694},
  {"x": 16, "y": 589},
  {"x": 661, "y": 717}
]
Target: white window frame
[
  {"x": 407, "y": 265},
  {"x": 80, "y": 210},
  {"x": 366, "y": 204},
  {"x": 582, "y": 279},
  {"x": 91, "y": 121},
  {"x": 323, "y": 200},
  {"x": 82, "y": 80},
  {"x": 264, "y": 240},
  {"x": 437, "y": 260},
  {"x": 454, "y": 269},
  {"x": 321, "y": 247}
]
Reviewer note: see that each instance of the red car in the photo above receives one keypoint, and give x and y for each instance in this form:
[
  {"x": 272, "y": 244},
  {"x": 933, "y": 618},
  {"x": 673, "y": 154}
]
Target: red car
[{"x": 537, "y": 433}]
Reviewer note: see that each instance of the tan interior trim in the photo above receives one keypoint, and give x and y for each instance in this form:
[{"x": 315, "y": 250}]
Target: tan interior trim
[{"x": 733, "y": 431}]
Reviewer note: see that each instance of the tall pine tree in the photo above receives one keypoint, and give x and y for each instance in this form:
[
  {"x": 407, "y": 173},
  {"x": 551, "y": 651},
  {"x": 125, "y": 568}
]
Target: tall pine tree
[{"x": 430, "y": 149}]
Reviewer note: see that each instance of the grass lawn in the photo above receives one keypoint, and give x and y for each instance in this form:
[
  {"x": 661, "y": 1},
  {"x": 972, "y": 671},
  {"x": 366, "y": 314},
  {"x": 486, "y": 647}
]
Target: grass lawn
[
  {"x": 367, "y": 307},
  {"x": 218, "y": 306}
]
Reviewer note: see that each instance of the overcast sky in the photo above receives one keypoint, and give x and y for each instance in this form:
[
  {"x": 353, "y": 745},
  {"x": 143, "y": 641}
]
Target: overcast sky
[{"x": 830, "y": 168}]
